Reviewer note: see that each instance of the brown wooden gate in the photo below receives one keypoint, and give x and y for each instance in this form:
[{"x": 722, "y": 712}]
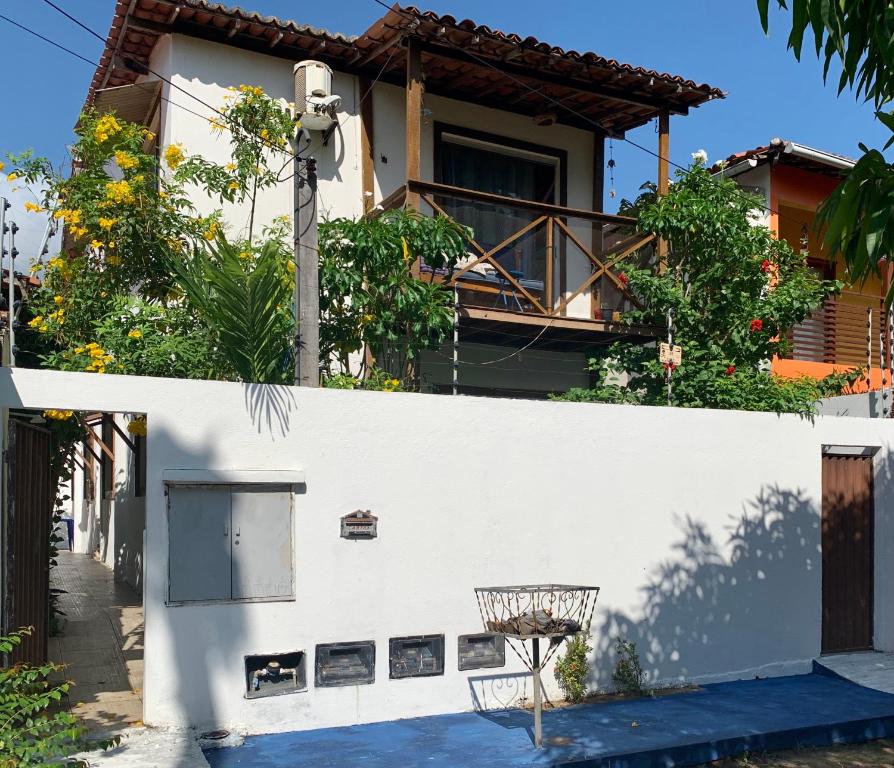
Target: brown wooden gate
[
  {"x": 29, "y": 509},
  {"x": 848, "y": 562}
]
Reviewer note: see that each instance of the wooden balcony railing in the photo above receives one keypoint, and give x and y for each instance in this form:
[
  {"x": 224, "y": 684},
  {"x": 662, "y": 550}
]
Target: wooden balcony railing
[
  {"x": 847, "y": 330},
  {"x": 536, "y": 258}
]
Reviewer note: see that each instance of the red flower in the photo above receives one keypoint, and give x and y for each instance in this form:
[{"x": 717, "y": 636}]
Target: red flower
[
  {"x": 730, "y": 370},
  {"x": 765, "y": 265},
  {"x": 623, "y": 279},
  {"x": 757, "y": 325}
]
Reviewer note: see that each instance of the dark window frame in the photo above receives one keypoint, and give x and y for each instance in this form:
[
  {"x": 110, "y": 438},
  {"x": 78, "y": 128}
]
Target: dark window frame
[{"x": 107, "y": 466}]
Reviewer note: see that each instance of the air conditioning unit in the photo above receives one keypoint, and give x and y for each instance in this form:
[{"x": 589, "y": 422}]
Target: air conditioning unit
[{"x": 315, "y": 104}]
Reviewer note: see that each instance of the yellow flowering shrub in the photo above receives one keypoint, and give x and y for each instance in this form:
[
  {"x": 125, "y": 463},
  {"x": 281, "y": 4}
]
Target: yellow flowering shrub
[{"x": 125, "y": 160}]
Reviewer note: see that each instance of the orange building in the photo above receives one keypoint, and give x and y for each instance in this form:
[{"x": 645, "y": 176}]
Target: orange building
[{"x": 849, "y": 330}]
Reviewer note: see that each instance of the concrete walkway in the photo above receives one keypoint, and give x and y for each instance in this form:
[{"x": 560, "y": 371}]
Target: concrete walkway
[
  {"x": 872, "y": 669},
  {"x": 101, "y": 644}
]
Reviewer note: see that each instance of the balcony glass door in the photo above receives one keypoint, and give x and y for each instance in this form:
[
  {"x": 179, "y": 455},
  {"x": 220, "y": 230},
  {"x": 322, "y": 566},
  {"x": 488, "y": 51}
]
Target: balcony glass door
[{"x": 487, "y": 167}]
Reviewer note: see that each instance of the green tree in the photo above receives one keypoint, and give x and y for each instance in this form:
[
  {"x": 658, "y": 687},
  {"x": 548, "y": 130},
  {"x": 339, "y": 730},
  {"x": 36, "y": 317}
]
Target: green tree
[
  {"x": 732, "y": 291},
  {"x": 371, "y": 302},
  {"x": 858, "y": 35}
]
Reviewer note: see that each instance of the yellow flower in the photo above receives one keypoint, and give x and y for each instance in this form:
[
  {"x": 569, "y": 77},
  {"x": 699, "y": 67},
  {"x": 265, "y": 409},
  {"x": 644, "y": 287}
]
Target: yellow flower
[
  {"x": 107, "y": 224},
  {"x": 36, "y": 321},
  {"x": 2, "y": 165},
  {"x": 60, "y": 214},
  {"x": 233, "y": 185},
  {"x": 33, "y": 207},
  {"x": 103, "y": 294},
  {"x": 55, "y": 263},
  {"x": 174, "y": 155},
  {"x": 13, "y": 176},
  {"x": 217, "y": 125},
  {"x": 105, "y": 127},
  {"x": 244, "y": 255},
  {"x": 137, "y": 426},
  {"x": 406, "y": 249},
  {"x": 44, "y": 329},
  {"x": 148, "y": 134},
  {"x": 96, "y": 244},
  {"x": 230, "y": 166},
  {"x": 135, "y": 333},
  {"x": 113, "y": 259},
  {"x": 58, "y": 300},
  {"x": 78, "y": 232},
  {"x": 78, "y": 350},
  {"x": 265, "y": 134},
  {"x": 290, "y": 266},
  {"x": 125, "y": 160},
  {"x": 97, "y": 352},
  {"x": 52, "y": 413},
  {"x": 120, "y": 192},
  {"x": 210, "y": 233}
]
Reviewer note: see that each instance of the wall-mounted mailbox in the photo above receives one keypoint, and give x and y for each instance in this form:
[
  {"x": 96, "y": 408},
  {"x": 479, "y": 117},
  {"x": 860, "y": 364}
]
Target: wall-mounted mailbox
[
  {"x": 359, "y": 525},
  {"x": 275, "y": 674},
  {"x": 419, "y": 656},
  {"x": 481, "y": 651},
  {"x": 345, "y": 664}
]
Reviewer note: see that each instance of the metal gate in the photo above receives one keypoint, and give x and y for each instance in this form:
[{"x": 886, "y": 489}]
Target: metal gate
[
  {"x": 848, "y": 562},
  {"x": 29, "y": 509}
]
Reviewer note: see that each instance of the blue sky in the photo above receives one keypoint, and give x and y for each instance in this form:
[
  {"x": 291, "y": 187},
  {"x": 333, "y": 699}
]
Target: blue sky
[{"x": 769, "y": 93}]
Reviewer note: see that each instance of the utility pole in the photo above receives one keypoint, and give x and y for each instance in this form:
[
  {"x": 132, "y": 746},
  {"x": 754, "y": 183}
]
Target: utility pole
[{"x": 307, "y": 277}]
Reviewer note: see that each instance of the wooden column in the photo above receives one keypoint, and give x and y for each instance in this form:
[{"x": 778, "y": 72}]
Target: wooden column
[
  {"x": 663, "y": 174},
  {"x": 367, "y": 151},
  {"x": 598, "y": 205},
  {"x": 415, "y": 90}
]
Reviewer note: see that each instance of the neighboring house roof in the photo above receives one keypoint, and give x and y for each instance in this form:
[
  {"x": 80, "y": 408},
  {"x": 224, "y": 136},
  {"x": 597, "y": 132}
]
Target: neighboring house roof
[
  {"x": 459, "y": 59},
  {"x": 786, "y": 153}
]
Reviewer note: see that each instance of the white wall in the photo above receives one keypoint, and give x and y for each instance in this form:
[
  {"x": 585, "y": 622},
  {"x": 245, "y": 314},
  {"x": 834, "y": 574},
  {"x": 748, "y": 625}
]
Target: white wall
[{"x": 701, "y": 527}]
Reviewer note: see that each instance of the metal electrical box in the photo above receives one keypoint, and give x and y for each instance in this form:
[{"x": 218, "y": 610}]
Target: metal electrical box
[
  {"x": 229, "y": 542},
  {"x": 345, "y": 664},
  {"x": 416, "y": 656},
  {"x": 481, "y": 651}
]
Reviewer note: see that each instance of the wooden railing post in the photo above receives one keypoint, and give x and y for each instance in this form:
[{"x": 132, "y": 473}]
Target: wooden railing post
[{"x": 548, "y": 282}]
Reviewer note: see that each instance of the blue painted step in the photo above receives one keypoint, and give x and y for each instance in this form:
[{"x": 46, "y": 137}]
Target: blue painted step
[{"x": 683, "y": 729}]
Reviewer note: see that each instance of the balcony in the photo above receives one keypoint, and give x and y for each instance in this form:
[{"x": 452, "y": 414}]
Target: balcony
[{"x": 534, "y": 263}]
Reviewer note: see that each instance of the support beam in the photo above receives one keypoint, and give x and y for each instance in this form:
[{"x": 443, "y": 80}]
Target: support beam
[
  {"x": 367, "y": 149},
  {"x": 663, "y": 174},
  {"x": 414, "y": 116}
]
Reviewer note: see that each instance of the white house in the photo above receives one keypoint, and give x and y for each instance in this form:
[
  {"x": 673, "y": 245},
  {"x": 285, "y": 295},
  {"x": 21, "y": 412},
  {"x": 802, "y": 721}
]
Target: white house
[
  {"x": 504, "y": 134},
  {"x": 715, "y": 536}
]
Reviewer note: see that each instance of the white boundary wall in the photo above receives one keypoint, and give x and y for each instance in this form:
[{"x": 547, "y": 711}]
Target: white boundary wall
[{"x": 701, "y": 527}]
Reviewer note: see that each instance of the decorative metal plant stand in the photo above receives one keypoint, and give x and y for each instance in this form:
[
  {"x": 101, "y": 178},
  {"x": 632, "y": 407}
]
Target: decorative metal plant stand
[{"x": 536, "y": 612}]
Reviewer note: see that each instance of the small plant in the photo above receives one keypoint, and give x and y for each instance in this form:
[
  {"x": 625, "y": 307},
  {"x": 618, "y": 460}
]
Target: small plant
[
  {"x": 628, "y": 676},
  {"x": 30, "y": 734},
  {"x": 573, "y": 668}
]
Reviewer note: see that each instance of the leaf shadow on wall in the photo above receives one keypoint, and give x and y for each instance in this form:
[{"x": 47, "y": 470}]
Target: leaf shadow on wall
[
  {"x": 270, "y": 407},
  {"x": 712, "y": 609}
]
